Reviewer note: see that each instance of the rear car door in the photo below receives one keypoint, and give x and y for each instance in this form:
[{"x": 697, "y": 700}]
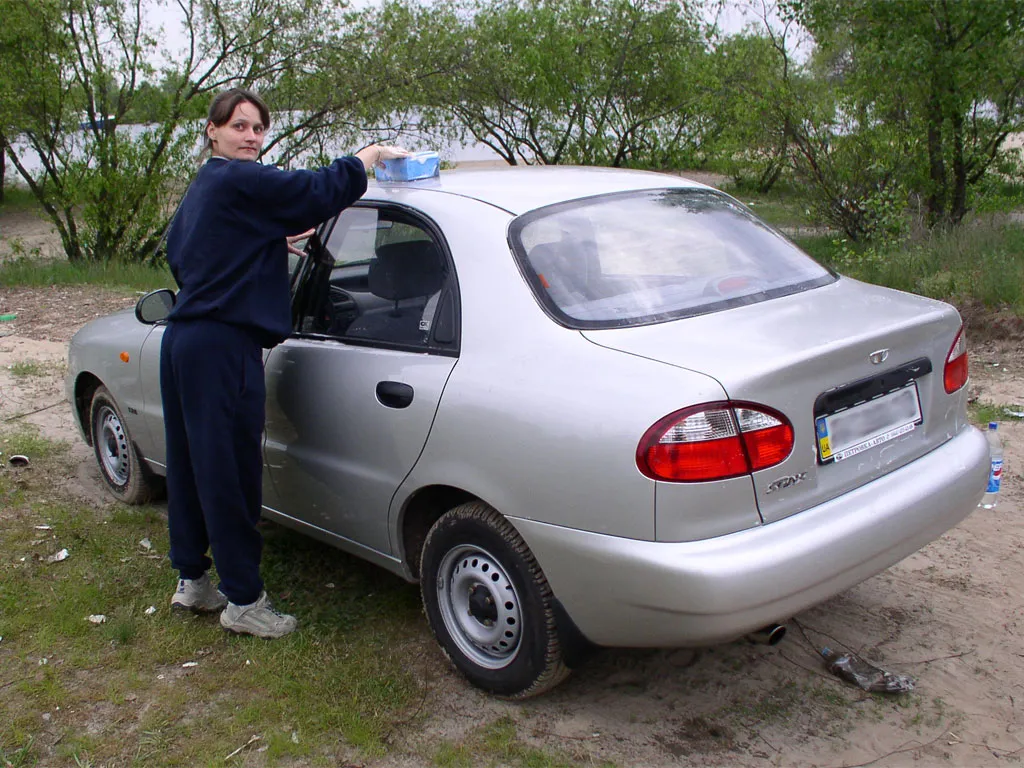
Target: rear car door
[{"x": 351, "y": 396}]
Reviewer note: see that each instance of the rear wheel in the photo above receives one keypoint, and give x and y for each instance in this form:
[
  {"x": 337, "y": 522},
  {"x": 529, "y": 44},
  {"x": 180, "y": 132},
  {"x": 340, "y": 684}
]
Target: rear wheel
[
  {"x": 489, "y": 604},
  {"x": 119, "y": 462}
]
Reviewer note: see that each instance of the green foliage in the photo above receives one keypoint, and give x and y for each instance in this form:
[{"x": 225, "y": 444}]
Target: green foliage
[
  {"x": 573, "y": 81},
  {"x": 858, "y": 179},
  {"x": 110, "y": 188},
  {"x": 938, "y": 82},
  {"x": 754, "y": 144},
  {"x": 902, "y": 105},
  {"x": 1001, "y": 189}
]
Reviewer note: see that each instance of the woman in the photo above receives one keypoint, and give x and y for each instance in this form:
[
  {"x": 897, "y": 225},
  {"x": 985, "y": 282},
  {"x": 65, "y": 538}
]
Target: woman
[{"x": 228, "y": 250}]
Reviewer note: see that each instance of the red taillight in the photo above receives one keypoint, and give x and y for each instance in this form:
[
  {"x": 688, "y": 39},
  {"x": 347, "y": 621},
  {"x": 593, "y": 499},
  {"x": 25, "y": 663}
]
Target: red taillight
[
  {"x": 714, "y": 441},
  {"x": 954, "y": 375}
]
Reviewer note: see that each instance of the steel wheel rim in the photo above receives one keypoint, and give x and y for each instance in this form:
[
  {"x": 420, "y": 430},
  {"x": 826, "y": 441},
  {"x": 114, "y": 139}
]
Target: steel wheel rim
[
  {"x": 489, "y": 634},
  {"x": 112, "y": 446}
]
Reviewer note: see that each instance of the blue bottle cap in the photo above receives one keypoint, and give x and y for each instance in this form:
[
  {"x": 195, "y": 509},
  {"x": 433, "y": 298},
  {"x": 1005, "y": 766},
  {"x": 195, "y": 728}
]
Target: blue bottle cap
[{"x": 993, "y": 425}]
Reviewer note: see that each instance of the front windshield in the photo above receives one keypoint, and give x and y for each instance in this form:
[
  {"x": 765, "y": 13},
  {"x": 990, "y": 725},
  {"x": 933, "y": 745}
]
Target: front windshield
[{"x": 654, "y": 255}]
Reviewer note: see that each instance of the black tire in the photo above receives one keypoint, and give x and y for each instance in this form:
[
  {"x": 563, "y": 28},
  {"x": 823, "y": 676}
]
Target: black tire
[
  {"x": 509, "y": 646},
  {"x": 120, "y": 464}
]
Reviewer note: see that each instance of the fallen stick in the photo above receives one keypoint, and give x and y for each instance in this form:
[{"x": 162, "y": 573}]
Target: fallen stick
[{"x": 254, "y": 739}]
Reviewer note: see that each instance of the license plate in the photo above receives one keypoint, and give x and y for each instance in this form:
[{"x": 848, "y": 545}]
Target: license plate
[{"x": 854, "y": 430}]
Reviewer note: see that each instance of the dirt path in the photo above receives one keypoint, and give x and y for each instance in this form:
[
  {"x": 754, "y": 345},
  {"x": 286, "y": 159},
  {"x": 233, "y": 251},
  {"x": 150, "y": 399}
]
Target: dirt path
[{"x": 951, "y": 615}]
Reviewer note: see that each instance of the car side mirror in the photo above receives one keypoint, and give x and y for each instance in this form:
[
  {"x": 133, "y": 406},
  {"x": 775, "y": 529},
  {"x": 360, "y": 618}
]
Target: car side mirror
[{"x": 155, "y": 306}]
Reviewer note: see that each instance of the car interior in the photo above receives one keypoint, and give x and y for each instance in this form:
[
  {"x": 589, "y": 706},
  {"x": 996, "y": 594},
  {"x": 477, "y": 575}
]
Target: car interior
[{"x": 390, "y": 285}]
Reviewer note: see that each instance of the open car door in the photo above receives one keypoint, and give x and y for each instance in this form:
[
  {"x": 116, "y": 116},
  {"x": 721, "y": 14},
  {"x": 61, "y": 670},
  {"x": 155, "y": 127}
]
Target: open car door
[{"x": 351, "y": 396}]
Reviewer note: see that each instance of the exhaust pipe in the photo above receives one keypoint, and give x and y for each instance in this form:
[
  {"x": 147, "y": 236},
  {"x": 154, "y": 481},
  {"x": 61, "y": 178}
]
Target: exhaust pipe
[{"x": 770, "y": 635}]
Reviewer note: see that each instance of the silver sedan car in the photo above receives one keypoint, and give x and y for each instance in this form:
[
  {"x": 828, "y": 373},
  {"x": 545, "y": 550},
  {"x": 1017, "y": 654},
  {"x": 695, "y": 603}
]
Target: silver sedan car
[{"x": 581, "y": 407}]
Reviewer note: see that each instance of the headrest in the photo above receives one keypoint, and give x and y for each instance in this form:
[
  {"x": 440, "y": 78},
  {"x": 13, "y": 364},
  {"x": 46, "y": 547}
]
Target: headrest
[
  {"x": 563, "y": 261},
  {"x": 406, "y": 270}
]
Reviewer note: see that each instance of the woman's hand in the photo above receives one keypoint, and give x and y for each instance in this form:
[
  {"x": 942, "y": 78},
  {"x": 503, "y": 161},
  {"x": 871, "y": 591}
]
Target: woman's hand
[
  {"x": 295, "y": 238},
  {"x": 376, "y": 154}
]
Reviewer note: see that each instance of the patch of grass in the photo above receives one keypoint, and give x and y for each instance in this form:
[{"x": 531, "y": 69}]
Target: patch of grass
[
  {"x": 499, "y": 740},
  {"x": 784, "y": 207},
  {"x": 28, "y": 368},
  {"x": 780, "y": 213},
  {"x": 332, "y": 693},
  {"x": 498, "y": 744},
  {"x": 16, "y": 758},
  {"x": 27, "y": 441},
  {"x": 983, "y": 413},
  {"x": 775, "y": 704},
  {"x": 34, "y": 273},
  {"x": 920, "y": 714},
  {"x": 450, "y": 755}
]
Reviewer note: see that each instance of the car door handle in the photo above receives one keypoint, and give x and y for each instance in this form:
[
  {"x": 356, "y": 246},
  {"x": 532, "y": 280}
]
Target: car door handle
[{"x": 394, "y": 394}]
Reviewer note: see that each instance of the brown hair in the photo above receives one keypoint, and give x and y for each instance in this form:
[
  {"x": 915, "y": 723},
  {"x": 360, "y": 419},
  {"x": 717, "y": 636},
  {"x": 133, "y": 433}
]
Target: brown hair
[{"x": 223, "y": 106}]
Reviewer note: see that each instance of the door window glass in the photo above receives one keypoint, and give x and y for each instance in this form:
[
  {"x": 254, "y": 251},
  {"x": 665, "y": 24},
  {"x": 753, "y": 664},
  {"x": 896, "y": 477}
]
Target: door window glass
[{"x": 390, "y": 282}]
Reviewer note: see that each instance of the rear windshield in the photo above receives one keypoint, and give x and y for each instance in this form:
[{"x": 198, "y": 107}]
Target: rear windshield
[{"x": 655, "y": 255}]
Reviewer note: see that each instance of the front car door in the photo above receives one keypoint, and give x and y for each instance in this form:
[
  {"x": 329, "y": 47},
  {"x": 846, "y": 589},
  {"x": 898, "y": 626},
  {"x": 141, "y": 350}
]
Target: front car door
[{"x": 351, "y": 396}]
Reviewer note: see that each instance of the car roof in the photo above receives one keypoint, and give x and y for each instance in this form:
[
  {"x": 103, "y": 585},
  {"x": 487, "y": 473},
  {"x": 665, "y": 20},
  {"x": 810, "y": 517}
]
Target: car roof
[{"x": 520, "y": 189}]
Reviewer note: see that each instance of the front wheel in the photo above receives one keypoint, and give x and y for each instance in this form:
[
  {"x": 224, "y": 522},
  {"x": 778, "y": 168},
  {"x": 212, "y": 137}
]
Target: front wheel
[
  {"x": 119, "y": 462},
  {"x": 489, "y": 604}
]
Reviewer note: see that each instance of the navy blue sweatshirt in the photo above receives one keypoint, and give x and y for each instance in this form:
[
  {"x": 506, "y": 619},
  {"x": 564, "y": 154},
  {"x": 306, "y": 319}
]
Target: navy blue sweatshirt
[{"x": 227, "y": 249}]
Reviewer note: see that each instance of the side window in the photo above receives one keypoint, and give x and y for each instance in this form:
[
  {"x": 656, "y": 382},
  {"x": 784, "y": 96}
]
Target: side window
[{"x": 390, "y": 283}]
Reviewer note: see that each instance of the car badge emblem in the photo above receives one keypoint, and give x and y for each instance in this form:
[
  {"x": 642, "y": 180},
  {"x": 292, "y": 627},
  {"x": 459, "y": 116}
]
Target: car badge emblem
[{"x": 879, "y": 357}]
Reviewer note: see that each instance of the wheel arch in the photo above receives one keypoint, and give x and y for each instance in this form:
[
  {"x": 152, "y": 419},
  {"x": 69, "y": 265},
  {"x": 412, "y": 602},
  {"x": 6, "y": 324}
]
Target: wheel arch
[
  {"x": 420, "y": 512},
  {"x": 86, "y": 385}
]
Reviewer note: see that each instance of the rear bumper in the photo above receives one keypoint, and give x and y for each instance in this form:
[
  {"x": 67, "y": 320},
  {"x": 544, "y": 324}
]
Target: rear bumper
[{"x": 625, "y": 592}]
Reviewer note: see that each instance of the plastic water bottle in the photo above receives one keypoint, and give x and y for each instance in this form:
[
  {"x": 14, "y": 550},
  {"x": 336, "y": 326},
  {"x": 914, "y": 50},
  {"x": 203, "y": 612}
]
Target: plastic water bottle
[
  {"x": 868, "y": 677},
  {"x": 995, "y": 474}
]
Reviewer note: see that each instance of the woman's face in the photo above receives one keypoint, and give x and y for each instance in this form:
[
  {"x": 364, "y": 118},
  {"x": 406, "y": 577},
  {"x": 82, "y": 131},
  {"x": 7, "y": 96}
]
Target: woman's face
[{"x": 241, "y": 137}]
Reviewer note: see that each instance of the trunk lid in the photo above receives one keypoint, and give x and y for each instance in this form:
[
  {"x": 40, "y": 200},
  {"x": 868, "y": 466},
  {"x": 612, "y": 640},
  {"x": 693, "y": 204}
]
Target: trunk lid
[{"x": 801, "y": 353}]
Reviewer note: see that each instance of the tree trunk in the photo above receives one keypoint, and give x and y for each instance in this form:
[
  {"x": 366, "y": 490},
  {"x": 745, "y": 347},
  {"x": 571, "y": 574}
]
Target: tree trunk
[
  {"x": 958, "y": 206},
  {"x": 3, "y": 167},
  {"x": 771, "y": 173},
  {"x": 935, "y": 202}
]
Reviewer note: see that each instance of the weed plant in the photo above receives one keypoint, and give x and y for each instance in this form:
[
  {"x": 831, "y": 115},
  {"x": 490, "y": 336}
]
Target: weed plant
[{"x": 32, "y": 368}]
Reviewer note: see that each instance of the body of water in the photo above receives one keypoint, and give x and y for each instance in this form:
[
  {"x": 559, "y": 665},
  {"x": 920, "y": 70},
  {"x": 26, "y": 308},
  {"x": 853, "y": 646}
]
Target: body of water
[{"x": 452, "y": 153}]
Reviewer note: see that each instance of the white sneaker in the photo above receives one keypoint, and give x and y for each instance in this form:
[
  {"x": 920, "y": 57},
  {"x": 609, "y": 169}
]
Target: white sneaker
[
  {"x": 198, "y": 595},
  {"x": 258, "y": 619}
]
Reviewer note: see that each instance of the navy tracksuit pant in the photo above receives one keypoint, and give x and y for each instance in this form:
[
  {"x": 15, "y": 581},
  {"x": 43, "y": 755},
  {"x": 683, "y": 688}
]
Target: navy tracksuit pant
[{"x": 214, "y": 400}]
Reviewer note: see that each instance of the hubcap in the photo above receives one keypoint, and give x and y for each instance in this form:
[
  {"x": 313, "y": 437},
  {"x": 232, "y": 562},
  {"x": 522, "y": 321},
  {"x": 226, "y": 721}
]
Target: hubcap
[
  {"x": 480, "y": 606},
  {"x": 112, "y": 446}
]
